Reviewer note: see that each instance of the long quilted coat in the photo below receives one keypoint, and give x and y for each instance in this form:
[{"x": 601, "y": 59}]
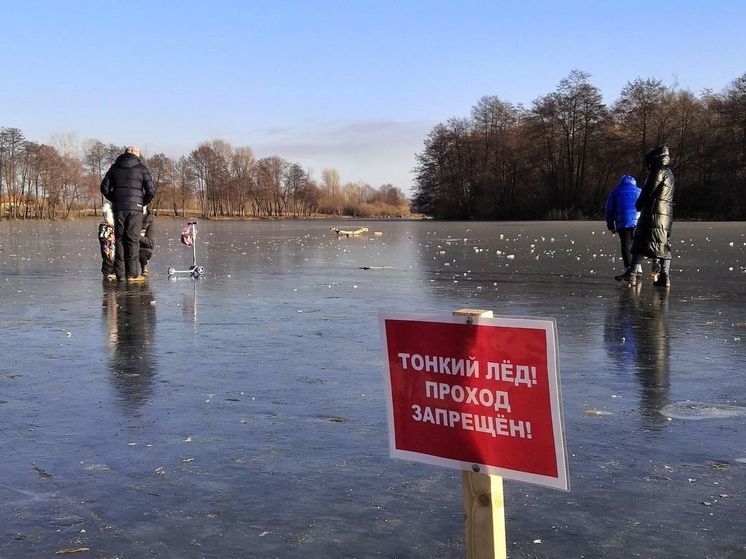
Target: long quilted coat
[{"x": 655, "y": 204}]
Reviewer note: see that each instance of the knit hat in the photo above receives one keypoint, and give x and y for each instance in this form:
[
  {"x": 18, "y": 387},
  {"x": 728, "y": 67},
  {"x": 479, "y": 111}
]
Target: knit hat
[
  {"x": 108, "y": 214},
  {"x": 133, "y": 150}
]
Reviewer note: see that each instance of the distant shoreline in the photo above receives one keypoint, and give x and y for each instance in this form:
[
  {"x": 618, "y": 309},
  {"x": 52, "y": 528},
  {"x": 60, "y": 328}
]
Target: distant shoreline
[{"x": 346, "y": 218}]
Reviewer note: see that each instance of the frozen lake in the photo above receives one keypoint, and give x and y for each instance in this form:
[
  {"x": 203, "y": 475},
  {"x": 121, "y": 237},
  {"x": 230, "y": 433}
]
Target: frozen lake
[{"x": 242, "y": 414}]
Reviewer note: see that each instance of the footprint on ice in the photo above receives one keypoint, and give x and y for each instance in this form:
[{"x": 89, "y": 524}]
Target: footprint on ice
[{"x": 701, "y": 410}]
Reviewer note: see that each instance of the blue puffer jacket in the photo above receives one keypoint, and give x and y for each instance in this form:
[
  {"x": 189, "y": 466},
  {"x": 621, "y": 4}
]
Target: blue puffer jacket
[{"x": 620, "y": 205}]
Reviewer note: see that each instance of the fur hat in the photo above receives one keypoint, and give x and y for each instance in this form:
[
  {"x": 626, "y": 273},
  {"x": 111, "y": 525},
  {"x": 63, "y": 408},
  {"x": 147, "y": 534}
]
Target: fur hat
[{"x": 133, "y": 150}]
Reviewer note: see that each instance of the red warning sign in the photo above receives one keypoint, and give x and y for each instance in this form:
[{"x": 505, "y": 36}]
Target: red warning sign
[{"x": 476, "y": 394}]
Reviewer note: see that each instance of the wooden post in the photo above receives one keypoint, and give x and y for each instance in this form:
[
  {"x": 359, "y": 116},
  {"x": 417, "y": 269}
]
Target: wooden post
[
  {"x": 484, "y": 512},
  {"x": 484, "y": 506}
]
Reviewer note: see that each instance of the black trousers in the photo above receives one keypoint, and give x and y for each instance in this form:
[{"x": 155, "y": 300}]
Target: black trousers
[
  {"x": 625, "y": 239},
  {"x": 127, "y": 228},
  {"x": 107, "y": 267}
]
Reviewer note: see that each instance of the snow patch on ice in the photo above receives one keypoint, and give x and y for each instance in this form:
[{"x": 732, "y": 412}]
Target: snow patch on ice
[{"x": 701, "y": 410}]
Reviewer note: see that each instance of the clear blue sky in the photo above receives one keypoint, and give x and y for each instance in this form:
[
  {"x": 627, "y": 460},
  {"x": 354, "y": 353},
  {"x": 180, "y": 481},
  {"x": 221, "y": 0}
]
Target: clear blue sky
[{"x": 354, "y": 85}]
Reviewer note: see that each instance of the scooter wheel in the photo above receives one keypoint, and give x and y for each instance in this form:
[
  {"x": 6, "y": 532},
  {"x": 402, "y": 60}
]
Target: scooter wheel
[
  {"x": 171, "y": 271},
  {"x": 199, "y": 270}
]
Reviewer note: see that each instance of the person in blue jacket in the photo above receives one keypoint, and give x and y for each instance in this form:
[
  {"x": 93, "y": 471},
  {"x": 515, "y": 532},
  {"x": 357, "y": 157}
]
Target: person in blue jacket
[{"x": 621, "y": 214}]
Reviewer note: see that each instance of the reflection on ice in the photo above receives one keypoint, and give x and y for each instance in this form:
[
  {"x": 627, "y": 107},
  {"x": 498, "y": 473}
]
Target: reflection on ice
[
  {"x": 637, "y": 338},
  {"x": 129, "y": 313}
]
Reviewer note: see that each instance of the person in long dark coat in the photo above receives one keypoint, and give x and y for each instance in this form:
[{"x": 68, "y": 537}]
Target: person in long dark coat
[{"x": 651, "y": 238}]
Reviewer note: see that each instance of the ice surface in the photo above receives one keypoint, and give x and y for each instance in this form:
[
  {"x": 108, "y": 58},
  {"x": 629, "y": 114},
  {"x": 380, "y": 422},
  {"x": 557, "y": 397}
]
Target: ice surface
[{"x": 242, "y": 414}]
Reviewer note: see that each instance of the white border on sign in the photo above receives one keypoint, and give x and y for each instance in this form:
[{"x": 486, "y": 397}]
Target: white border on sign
[{"x": 549, "y": 325}]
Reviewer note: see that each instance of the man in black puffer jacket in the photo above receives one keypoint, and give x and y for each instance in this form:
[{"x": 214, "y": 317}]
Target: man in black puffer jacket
[
  {"x": 128, "y": 186},
  {"x": 653, "y": 230}
]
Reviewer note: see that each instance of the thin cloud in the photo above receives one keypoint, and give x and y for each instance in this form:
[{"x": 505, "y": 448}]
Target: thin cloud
[{"x": 376, "y": 152}]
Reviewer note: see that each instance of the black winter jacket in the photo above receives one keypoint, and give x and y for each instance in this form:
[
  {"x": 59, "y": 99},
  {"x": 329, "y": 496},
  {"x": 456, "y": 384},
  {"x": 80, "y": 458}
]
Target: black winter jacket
[
  {"x": 655, "y": 205},
  {"x": 128, "y": 184}
]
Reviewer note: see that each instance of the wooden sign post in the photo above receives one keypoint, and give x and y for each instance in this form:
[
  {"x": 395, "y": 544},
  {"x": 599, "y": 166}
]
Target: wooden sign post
[
  {"x": 484, "y": 516},
  {"x": 484, "y": 506}
]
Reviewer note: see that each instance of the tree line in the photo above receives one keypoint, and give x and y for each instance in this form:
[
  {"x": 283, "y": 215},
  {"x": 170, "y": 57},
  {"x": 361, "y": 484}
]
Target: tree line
[
  {"x": 215, "y": 180},
  {"x": 559, "y": 158}
]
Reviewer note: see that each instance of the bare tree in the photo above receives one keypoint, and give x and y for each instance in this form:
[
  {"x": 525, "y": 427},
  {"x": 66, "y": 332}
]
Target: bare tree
[
  {"x": 642, "y": 115},
  {"x": 184, "y": 185},
  {"x": 731, "y": 143},
  {"x": 95, "y": 158},
  {"x": 309, "y": 196},
  {"x": 241, "y": 165},
  {"x": 269, "y": 178},
  {"x": 220, "y": 194},
  {"x": 295, "y": 182},
  {"x": 112, "y": 152},
  {"x": 495, "y": 135},
  {"x": 163, "y": 173},
  {"x": 572, "y": 119},
  {"x": 73, "y": 184},
  {"x": 66, "y": 143},
  {"x": 12, "y": 143},
  {"x": 210, "y": 172},
  {"x": 331, "y": 187}
]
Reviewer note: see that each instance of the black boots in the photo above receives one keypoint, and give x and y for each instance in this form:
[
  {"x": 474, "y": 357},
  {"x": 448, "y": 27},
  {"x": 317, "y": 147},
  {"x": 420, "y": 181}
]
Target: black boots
[
  {"x": 630, "y": 278},
  {"x": 663, "y": 280},
  {"x": 635, "y": 278}
]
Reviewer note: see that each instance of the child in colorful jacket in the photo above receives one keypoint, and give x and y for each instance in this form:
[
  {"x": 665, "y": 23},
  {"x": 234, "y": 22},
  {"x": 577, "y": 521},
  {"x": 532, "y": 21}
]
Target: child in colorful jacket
[{"x": 106, "y": 242}]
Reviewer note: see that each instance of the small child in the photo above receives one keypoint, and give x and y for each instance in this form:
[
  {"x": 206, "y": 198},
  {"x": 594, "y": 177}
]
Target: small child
[
  {"x": 621, "y": 215},
  {"x": 146, "y": 240},
  {"x": 106, "y": 240}
]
